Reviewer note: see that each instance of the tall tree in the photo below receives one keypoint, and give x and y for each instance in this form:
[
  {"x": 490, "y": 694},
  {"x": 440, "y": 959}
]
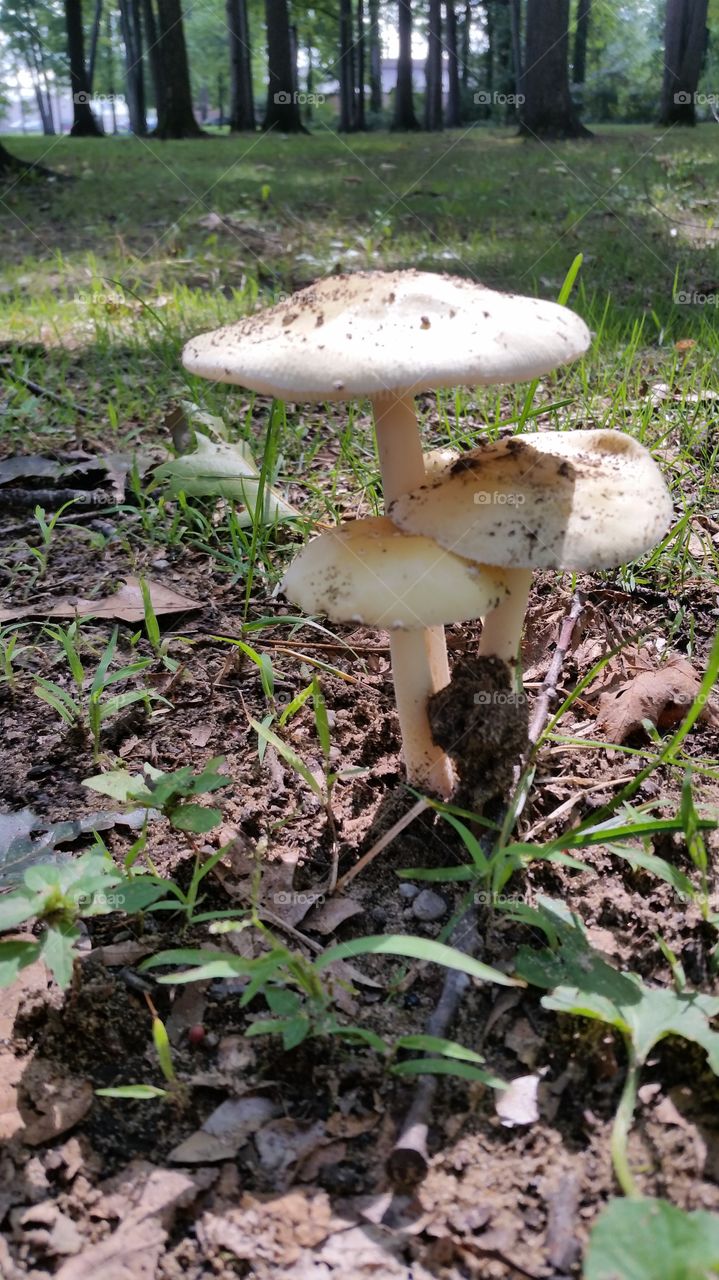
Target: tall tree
[
  {"x": 547, "y": 110},
  {"x": 152, "y": 45},
  {"x": 685, "y": 42},
  {"x": 242, "y": 102},
  {"x": 375, "y": 58},
  {"x": 84, "y": 124},
  {"x": 131, "y": 28},
  {"x": 346, "y": 67},
  {"x": 433, "y": 69},
  {"x": 360, "y": 98},
  {"x": 515, "y": 19},
  {"x": 466, "y": 37},
  {"x": 282, "y": 110},
  {"x": 581, "y": 35},
  {"x": 453, "y": 115},
  {"x": 94, "y": 40},
  {"x": 175, "y": 117},
  {"x": 404, "y": 117}
]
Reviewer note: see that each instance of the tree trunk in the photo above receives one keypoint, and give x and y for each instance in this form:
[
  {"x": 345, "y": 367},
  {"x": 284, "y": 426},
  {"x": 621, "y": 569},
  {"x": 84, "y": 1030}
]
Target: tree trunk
[
  {"x": 548, "y": 111},
  {"x": 153, "y": 49},
  {"x": 488, "y": 97},
  {"x": 404, "y": 117},
  {"x": 375, "y": 58},
  {"x": 134, "y": 76},
  {"x": 11, "y": 164},
  {"x": 242, "y": 103},
  {"x": 360, "y": 123},
  {"x": 685, "y": 42},
  {"x": 515, "y": 17},
  {"x": 84, "y": 124},
  {"x": 175, "y": 117},
  {"x": 579, "y": 71},
  {"x": 466, "y": 31},
  {"x": 346, "y": 68},
  {"x": 44, "y": 106},
  {"x": 93, "y": 44},
  {"x": 110, "y": 69},
  {"x": 282, "y": 111},
  {"x": 453, "y": 115},
  {"x": 433, "y": 75}
]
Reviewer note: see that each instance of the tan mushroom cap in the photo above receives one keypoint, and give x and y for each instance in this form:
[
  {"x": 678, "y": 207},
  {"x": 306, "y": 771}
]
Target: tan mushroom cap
[
  {"x": 367, "y": 571},
  {"x": 377, "y": 331},
  {"x": 555, "y": 500}
]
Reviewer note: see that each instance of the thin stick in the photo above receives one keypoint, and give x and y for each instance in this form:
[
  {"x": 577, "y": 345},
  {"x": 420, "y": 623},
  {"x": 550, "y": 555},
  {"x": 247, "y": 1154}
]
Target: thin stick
[
  {"x": 407, "y": 1163},
  {"x": 37, "y": 390},
  {"x": 381, "y": 844}
]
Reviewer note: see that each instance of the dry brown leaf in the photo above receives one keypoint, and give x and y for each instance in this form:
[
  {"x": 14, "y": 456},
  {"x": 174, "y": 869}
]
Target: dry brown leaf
[
  {"x": 274, "y": 1230},
  {"x": 51, "y": 1103},
  {"x": 328, "y": 916},
  {"x": 662, "y": 696},
  {"x": 126, "y": 604},
  {"x": 225, "y": 1130},
  {"x": 517, "y": 1104}
]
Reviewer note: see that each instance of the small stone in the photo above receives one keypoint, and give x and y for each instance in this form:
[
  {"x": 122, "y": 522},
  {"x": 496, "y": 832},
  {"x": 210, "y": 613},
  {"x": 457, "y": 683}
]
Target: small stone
[
  {"x": 407, "y": 890},
  {"x": 160, "y": 563},
  {"x": 428, "y": 905}
]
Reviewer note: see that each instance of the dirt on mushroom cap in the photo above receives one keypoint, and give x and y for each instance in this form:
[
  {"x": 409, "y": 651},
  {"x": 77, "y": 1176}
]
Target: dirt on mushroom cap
[
  {"x": 556, "y": 500},
  {"x": 375, "y": 332},
  {"x": 368, "y": 571}
]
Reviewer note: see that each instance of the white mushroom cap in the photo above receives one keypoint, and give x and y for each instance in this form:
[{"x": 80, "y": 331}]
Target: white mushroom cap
[
  {"x": 367, "y": 571},
  {"x": 559, "y": 500},
  {"x": 376, "y": 331}
]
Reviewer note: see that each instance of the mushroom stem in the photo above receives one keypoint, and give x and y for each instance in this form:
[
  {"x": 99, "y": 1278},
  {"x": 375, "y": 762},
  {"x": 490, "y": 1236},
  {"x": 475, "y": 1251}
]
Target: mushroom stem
[
  {"x": 502, "y": 629},
  {"x": 419, "y": 657}
]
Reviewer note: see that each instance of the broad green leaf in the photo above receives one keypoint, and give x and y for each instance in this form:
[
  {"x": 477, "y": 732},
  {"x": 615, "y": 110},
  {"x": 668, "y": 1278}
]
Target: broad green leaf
[
  {"x": 646, "y": 1239},
  {"x": 58, "y": 951},
  {"x": 14, "y": 956},
  {"x": 119, "y": 785},
  {"x": 218, "y": 469},
  {"x": 416, "y": 949},
  {"x": 195, "y": 818},
  {"x": 437, "y": 1044},
  {"x": 17, "y": 907}
]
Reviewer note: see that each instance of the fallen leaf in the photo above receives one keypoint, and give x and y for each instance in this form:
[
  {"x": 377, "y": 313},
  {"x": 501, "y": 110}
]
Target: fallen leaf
[
  {"x": 328, "y": 916},
  {"x": 225, "y": 1130},
  {"x": 126, "y": 604},
  {"x": 274, "y": 1229},
  {"x": 28, "y": 466},
  {"x": 51, "y": 1103},
  {"x": 517, "y": 1104},
  {"x": 663, "y": 696}
]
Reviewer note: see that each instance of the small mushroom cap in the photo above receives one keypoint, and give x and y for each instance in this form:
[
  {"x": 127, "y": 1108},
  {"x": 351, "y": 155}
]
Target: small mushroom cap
[
  {"x": 367, "y": 571},
  {"x": 555, "y": 500},
  {"x": 377, "y": 331}
]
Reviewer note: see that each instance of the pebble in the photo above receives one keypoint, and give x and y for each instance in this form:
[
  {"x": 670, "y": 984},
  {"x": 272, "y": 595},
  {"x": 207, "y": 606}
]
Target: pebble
[
  {"x": 160, "y": 563},
  {"x": 407, "y": 890},
  {"x": 428, "y": 905}
]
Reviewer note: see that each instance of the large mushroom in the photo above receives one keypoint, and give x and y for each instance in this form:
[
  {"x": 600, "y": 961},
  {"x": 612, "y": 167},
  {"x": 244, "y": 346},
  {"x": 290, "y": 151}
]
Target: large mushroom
[
  {"x": 387, "y": 336},
  {"x": 553, "y": 500},
  {"x": 368, "y": 572}
]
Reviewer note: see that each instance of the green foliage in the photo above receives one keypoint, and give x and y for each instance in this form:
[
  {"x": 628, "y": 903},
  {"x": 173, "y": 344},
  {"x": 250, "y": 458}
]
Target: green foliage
[
  {"x": 652, "y": 1240},
  {"x": 57, "y": 895}
]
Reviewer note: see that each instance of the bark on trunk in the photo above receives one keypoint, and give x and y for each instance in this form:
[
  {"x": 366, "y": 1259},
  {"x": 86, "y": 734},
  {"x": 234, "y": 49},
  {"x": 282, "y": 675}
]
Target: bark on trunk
[
  {"x": 242, "y": 104},
  {"x": 153, "y": 49},
  {"x": 134, "y": 74},
  {"x": 84, "y": 124},
  {"x": 433, "y": 77},
  {"x": 515, "y": 17},
  {"x": 175, "y": 117},
  {"x": 375, "y": 58},
  {"x": 548, "y": 111},
  {"x": 404, "y": 116},
  {"x": 346, "y": 67},
  {"x": 466, "y": 32},
  {"x": 584, "y": 10},
  {"x": 360, "y": 123},
  {"x": 282, "y": 111},
  {"x": 94, "y": 38},
  {"x": 685, "y": 42},
  {"x": 453, "y": 116}
]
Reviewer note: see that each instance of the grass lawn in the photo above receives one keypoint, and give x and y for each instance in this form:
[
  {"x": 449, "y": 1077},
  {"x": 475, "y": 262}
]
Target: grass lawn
[{"x": 103, "y": 278}]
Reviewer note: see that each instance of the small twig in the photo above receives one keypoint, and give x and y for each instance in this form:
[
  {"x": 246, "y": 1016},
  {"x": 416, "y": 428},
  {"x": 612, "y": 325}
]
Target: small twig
[
  {"x": 548, "y": 689},
  {"x": 38, "y": 390},
  {"x": 16, "y": 499},
  {"x": 381, "y": 844},
  {"x": 407, "y": 1162}
]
